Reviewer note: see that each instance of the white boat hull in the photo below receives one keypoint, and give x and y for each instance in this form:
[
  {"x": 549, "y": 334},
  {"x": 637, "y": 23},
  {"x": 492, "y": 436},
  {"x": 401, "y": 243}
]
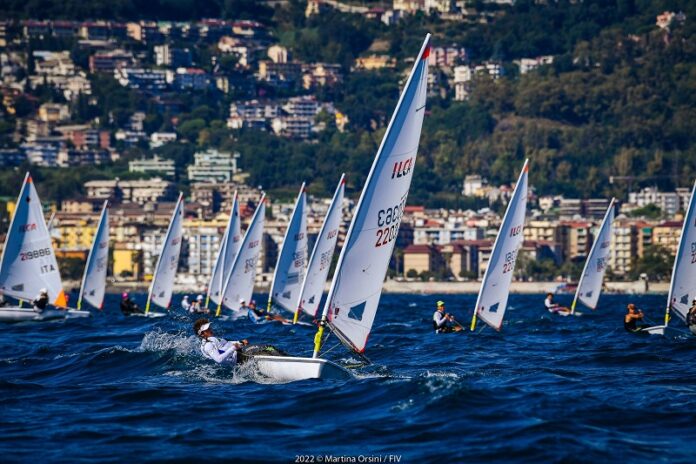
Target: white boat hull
[
  {"x": 74, "y": 313},
  {"x": 17, "y": 314},
  {"x": 150, "y": 314},
  {"x": 654, "y": 330},
  {"x": 290, "y": 368}
]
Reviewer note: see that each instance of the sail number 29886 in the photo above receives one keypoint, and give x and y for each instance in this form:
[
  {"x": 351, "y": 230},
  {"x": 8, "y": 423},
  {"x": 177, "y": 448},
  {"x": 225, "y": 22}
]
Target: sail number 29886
[{"x": 388, "y": 221}]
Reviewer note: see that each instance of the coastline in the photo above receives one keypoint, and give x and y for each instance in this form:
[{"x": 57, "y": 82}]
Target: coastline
[{"x": 404, "y": 287}]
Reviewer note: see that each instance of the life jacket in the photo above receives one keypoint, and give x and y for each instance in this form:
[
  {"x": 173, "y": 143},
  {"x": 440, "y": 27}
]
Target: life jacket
[{"x": 691, "y": 316}]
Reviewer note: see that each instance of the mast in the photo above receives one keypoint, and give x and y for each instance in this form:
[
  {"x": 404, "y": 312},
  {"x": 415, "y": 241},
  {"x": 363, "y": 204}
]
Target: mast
[{"x": 590, "y": 256}]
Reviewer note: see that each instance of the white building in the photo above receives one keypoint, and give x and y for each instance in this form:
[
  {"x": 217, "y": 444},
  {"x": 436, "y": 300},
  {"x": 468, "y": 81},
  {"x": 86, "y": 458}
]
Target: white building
[
  {"x": 153, "y": 165},
  {"x": 157, "y": 139},
  {"x": 213, "y": 166},
  {"x": 529, "y": 64},
  {"x": 668, "y": 202}
]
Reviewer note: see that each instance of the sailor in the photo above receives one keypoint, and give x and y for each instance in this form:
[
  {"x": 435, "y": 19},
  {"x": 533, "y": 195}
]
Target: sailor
[
  {"x": 128, "y": 306},
  {"x": 242, "y": 305},
  {"x": 632, "y": 317},
  {"x": 442, "y": 322},
  {"x": 256, "y": 312},
  {"x": 3, "y": 302},
  {"x": 185, "y": 303},
  {"x": 691, "y": 317},
  {"x": 197, "y": 306},
  {"x": 217, "y": 349},
  {"x": 554, "y": 307},
  {"x": 41, "y": 301}
]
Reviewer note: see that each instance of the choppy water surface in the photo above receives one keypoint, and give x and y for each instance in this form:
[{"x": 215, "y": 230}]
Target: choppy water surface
[{"x": 115, "y": 389}]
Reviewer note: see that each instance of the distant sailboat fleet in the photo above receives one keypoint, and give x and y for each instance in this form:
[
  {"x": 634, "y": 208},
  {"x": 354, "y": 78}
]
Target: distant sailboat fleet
[{"x": 29, "y": 266}]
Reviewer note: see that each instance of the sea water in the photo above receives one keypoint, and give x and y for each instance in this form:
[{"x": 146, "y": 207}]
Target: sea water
[{"x": 546, "y": 388}]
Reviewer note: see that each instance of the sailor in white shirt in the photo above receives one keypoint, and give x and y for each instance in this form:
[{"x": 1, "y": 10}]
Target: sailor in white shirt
[
  {"x": 554, "y": 307},
  {"x": 217, "y": 349}
]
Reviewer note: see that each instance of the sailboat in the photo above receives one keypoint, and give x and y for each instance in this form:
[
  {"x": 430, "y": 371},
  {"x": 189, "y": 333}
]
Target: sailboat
[
  {"x": 353, "y": 299},
  {"x": 229, "y": 247},
  {"x": 682, "y": 287},
  {"x": 162, "y": 285},
  {"x": 322, "y": 255},
  {"x": 240, "y": 281},
  {"x": 290, "y": 269},
  {"x": 93, "y": 284},
  {"x": 495, "y": 287},
  {"x": 29, "y": 262},
  {"x": 592, "y": 278}
]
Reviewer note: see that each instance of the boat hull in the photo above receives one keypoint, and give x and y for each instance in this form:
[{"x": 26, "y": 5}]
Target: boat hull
[
  {"x": 291, "y": 369},
  {"x": 655, "y": 330},
  {"x": 75, "y": 313},
  {"x": 17, "y": 314},
  {"x": 151, "y": 314}
]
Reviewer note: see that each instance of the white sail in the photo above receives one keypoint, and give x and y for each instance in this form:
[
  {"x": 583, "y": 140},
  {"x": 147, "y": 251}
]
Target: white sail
[
  {"x": 362, "y": 265},
  {"x": 322, "y": 255},
  {"x": 240, "y": 281},
  {"x": 290, "y": 268},
  {"x": 590, "y": 285},
  {"x": 682, "y": 289},
  {"x": 168, "y": 260},
  {"x": 229, "y": 247},
  {"x": 94, "y": 278},
  {"x": 495, "y": 287},
  {"x": 28, "y": 260}
]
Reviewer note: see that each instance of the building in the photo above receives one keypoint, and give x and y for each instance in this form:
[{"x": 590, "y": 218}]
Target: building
[
  {"x": 11, "y": 157},
  {"x": 371, "y": 62},
  {"x": 189, "y": 79},
  {"x": 668, "y": 202},
  {"x": 421, "y": 259},
  {"x": 667, "y": 234},
  {"x": 144, "y": 31},
  {"x": 203, "y": 239},
  {"x": 213, "y": 166},
  {"x": 155, "y": 165},
  {"x": 321, "y": 74},
  {"x": 252, "y": 114},
  {"x": 577, "y": 239},
  {"x": 529, "y": 64},
  {"x": 168, "y": 56},
  {"x": 153, "y": 80},
  {"x": 624, "y": 246},
  {"x": 292, "y": 126},
  {"x": 108, "y": 61},
  {"x": 54, "y": 112},
  {"x": 277, "y": 73},
  {"x": 83, "y": 136},
  {"x": 279, "y": 54},
  {"x": 157, "y": 139},
  {"x": 152, "y": 190},
  {"x": 41, "y": 154}
]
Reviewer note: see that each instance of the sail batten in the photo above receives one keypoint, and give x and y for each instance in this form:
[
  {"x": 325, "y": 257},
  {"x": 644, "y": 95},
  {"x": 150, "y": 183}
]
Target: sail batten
[
  {"x": 682, "y": 288},
  {"x": 28, "y": 260},
  {"x": 592, "y": 277},
  {"x": 357, "y": 284},
  {"x": 290, "y": 269},
  {"x": 242, "y": 276},
  {"x": 495, "y": 286},
  {"x": 94, "y": 278},
  {"x": 162, "y": 284},
  {"x": 322, "y": 255}
]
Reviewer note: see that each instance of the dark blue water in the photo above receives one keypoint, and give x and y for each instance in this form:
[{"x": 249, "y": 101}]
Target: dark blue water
[{"x": 575, "y": 389}]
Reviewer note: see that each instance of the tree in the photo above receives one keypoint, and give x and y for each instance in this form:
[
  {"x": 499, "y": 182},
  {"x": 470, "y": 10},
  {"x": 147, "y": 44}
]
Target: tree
[{"x": 656, "y": 262}]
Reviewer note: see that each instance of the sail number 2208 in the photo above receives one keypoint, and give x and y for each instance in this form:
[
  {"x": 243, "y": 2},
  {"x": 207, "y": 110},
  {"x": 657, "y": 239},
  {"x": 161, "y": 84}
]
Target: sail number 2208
[{"x": 388, "y": 221}]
